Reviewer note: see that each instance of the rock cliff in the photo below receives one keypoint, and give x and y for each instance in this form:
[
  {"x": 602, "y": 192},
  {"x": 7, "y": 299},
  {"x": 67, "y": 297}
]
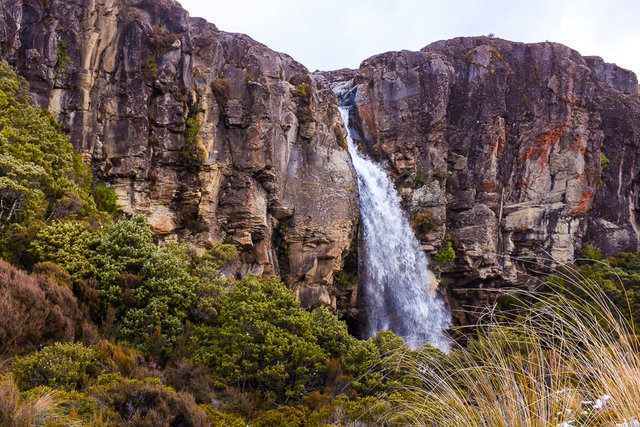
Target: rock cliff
[
  {"x": 517, "y": 153},
  {"x": 211, "y": 135}
]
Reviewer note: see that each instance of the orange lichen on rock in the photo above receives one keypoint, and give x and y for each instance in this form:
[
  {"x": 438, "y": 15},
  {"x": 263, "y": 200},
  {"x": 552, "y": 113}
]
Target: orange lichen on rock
[
  {"x": 584, "y": 204},
  {"x": 544, "y": 143},
  {"x": 577, "y": 140},
  {"x": 488, "y": 187}
]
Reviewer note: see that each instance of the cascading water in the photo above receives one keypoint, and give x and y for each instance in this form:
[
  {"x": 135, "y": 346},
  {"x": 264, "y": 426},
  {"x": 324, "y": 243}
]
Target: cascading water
[{"x": 395, "y": 278}]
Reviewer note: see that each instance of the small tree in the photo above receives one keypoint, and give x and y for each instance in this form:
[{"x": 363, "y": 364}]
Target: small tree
[
  {"x": 261, "y": 340},
  {"x": 70, "y": 245}
]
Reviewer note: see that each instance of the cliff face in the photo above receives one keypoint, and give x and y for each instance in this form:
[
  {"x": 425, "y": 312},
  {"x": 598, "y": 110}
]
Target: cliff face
[
  {"x": 519, "y": 153},
  {"x": 212, "y": 136}
]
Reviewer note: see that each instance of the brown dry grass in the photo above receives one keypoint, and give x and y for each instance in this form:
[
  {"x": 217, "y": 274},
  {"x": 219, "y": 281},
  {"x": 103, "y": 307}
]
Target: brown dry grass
[
  {"x": 16, "y": 412},
  {"x": 537, "y": 370}
]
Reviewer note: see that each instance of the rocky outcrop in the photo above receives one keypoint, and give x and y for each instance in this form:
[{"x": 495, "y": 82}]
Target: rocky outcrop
[
  {"x": 517, "y": 153},
  {"x": 211, "y": 135}
]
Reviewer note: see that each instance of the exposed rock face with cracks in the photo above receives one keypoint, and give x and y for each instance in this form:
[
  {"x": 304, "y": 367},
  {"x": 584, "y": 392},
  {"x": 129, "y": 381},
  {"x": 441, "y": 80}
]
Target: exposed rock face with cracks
[
  {"x": 211, "y": 135},
  {"x": 518, "y": 153}
]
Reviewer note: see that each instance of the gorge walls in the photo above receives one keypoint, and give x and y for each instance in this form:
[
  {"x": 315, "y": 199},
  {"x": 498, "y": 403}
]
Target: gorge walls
[
  {"x": 516, "y": 153},
  {"x": 211, "y": 135}
]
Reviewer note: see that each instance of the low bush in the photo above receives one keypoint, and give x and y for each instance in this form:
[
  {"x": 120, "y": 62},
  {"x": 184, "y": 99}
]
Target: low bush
[
  {"x": 216, "y": 417},
  {"x": 145, "y": 404},
  {"x": 290, "y": 416},
  {"x": 33, "y": 310},
  {"x": 374, "y": 364},
  {"x": 261, "y": 340},
  {"x": 105, "y": 198},
  {"x": 332, "y": 334},
  {"x": 65, "y": 366},
  {"x": 446, "y": 254},
  {"x": 69, "y": 244}
]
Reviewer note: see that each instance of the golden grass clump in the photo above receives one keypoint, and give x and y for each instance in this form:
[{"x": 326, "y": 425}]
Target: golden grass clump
[
  {"x": 553, "y": 360},
  {"x": 18, "y": 412}
]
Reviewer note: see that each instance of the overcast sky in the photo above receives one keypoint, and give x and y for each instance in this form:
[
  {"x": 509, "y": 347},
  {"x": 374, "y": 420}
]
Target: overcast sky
[{"x": 332, "y": 34}]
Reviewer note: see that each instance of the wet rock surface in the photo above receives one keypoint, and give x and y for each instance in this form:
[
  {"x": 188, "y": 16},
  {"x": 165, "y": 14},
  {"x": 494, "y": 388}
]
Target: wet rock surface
[{"x": 517, "y": 153}]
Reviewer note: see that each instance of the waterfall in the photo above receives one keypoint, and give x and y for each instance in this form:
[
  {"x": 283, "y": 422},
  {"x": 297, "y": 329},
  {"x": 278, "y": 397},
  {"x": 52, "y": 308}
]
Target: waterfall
[{"x": 395, "y": 280}]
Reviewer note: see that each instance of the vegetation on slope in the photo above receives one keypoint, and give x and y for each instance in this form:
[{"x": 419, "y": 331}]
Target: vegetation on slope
[
  {"x": 567, "y": 356},
  {"x": 106, "y": 326}
]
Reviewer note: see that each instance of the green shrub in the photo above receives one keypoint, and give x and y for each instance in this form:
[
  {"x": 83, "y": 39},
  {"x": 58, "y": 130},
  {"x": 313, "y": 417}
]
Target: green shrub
[
  {"x": 207, "y": 267},
  {"x": 216, "y": 417},
  {"x": 374, "y": 363},
  {"x": 153, "y": 309},
  {"x": 193, "y": 152},
  {"x": 154, "y": 291},
  {"x": 332, "y": 334},
  {"x": 124, "y": 248},
  {"x": 261, "y": 340},
  {"x": 285, "y": 416},
  {"x": 162, "y": 301},
  {"x": 446, "y": 253},
  {"x": 60, "y": 365},
  {"x": 303, "y": 90},
  {"x": 604, "y": 161},
  {"x": 63, "y": 55},
  {"x": 105, "y": 199},
  {"x": 589, "y": 251},
  {"x": 68, "y": 244},
  {"x": 418, "y": 181}
]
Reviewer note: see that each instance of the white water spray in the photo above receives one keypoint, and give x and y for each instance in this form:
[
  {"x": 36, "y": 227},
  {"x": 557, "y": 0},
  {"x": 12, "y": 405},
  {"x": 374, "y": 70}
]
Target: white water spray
[{"x": 396, "y": 282}]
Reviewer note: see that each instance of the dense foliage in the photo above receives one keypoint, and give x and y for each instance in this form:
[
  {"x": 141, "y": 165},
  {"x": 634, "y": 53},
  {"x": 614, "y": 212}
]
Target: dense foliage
[
  {"x": 40, "y": 176},
  {"x": 59, "y": 365},
  {"x": 262, "y": 341},
  {"x": 69, "y": 244}
]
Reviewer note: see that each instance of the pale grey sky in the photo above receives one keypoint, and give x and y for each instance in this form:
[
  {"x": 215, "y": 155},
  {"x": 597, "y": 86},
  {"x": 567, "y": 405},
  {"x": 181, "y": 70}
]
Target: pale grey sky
[{"x": 332, "y": 34}]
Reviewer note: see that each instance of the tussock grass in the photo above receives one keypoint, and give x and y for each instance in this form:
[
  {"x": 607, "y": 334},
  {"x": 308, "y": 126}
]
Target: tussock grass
[
  {"x": 550, "y": 360},
  {"x": 17, "y": 412}
]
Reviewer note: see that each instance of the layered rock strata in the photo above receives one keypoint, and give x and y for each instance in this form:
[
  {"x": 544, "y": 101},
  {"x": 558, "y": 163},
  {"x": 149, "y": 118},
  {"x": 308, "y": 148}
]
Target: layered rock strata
[
  {"x": 211, "y": 135},
  {"x": 516, "y": 153}
]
